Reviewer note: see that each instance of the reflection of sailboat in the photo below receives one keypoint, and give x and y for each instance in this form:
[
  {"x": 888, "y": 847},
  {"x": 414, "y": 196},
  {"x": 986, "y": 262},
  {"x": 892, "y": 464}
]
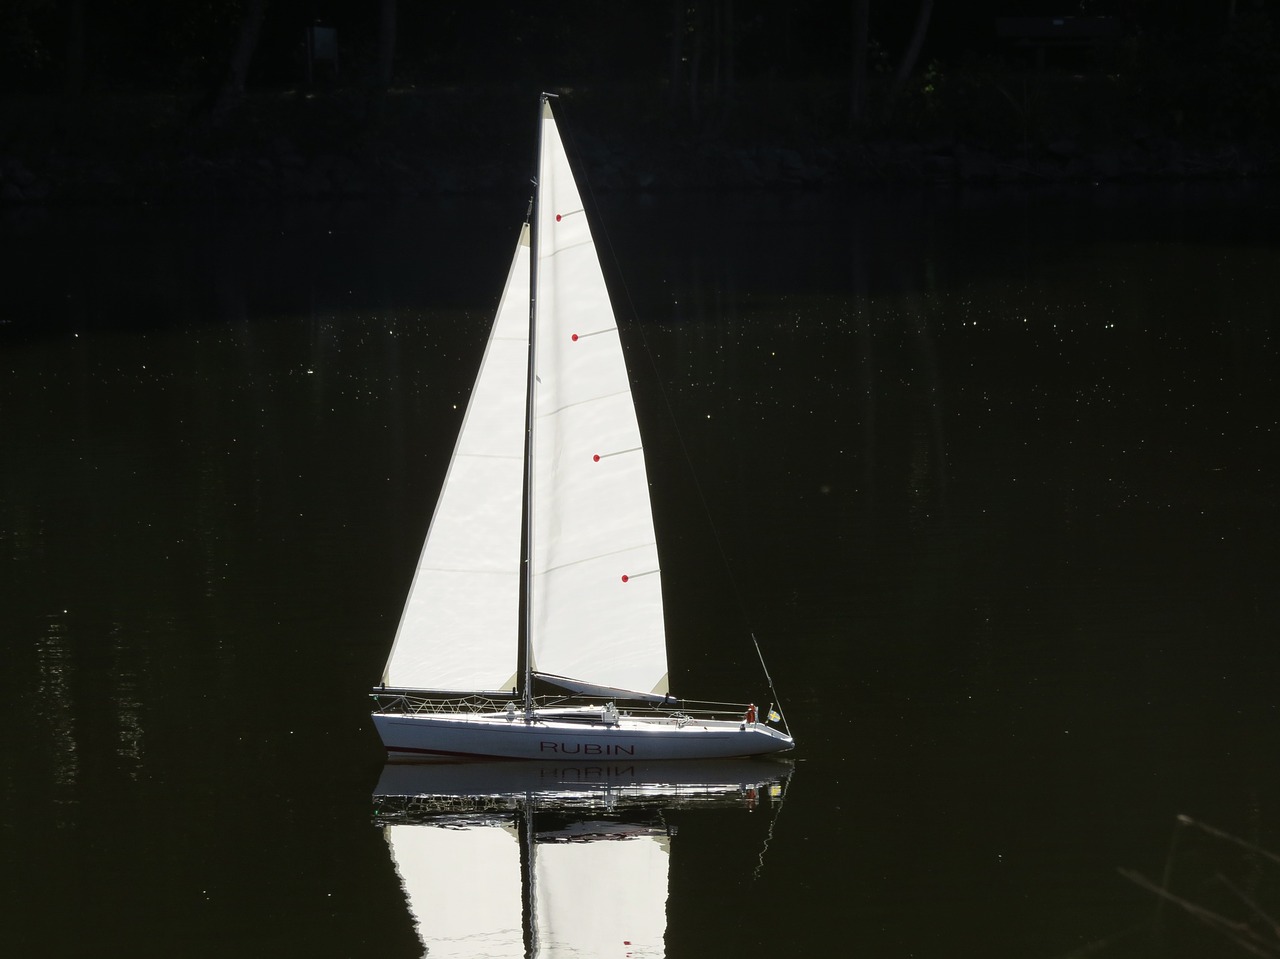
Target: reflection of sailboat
[
  {"x": 550, "y": 462},
  {"x": 523, "y": 860},
  {"x": 733, "y": 782}
]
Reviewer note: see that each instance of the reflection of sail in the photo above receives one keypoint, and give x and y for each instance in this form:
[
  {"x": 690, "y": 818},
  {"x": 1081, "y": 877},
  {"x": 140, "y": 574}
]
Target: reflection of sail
[
  {"x": 462, "y": 885},
  {"x": 601, "y": 896},
  {"x": 594, "y": 874}
]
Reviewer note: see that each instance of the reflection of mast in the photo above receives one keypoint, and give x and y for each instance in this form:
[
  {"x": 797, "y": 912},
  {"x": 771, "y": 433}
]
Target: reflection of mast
[{"x": 529, "y": 880}]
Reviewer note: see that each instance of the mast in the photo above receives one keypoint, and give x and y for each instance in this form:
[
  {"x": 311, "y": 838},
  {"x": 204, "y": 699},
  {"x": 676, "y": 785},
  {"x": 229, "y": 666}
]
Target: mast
[{"x": 529, "y": 416}]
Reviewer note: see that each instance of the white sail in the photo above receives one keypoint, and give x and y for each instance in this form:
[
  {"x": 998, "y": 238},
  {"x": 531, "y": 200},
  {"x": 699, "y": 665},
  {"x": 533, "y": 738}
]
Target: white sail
[
  {"x": 463, "y": 888},
  {"x": 459, "y": 628},
  {"x": 602, "y": 898},
  {"x": 597, "y": 593}
]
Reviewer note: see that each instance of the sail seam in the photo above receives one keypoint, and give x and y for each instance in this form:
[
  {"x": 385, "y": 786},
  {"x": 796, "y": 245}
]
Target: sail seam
[
  {"x": 477, "y": 570},
  {"x": 589, "y": 399},
  {"x": 565, "y": 249},
  {"x": 588, "y": 559}
]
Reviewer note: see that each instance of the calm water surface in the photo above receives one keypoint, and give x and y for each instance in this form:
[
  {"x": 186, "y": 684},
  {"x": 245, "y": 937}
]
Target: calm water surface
[{"x": 990, "y": 476}]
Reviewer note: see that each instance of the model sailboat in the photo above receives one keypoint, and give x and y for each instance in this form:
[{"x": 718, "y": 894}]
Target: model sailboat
[{"x": 549, "y": 461}]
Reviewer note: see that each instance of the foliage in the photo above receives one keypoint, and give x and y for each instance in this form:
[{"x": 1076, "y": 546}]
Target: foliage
[{"x": 769, "y": 72}]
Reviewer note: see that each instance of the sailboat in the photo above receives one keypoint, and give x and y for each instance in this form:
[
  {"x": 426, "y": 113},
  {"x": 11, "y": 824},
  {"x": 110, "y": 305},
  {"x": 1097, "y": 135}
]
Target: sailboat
[{"x": 541, "y": 561}]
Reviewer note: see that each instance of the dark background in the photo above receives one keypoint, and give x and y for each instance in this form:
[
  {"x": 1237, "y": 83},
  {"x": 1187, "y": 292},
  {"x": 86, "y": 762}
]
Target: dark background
[
  {"x": 991, "y": 472},
  {"x": 155, "y": 100},
  {"x": 985, "y": 438},
  {"x": 151, "y": 45}
]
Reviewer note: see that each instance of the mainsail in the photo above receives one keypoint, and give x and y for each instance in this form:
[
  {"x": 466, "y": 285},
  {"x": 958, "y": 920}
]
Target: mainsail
[{"x": 597, "y": 595}]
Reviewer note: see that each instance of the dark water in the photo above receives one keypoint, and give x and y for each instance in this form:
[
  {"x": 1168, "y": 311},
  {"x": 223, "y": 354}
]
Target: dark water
[{"x": 990, "y": 476}]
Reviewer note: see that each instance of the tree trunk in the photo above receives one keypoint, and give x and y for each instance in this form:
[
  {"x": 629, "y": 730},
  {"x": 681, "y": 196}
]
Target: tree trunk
[
  {"x": 386, "y": 43},
  {"x": 717, "y": 48},
  {"x": 75, "y": 51},
  {"x": 676, "y": 67},
  {"x": 722, "y": 91},
  {"x": 695, "y": 60},
  {"x": 232, "y": 91},
  {"x": 908, "y": 64},
  {"x": 858, "y": 91},
  {"x": 730, "y": 53}
]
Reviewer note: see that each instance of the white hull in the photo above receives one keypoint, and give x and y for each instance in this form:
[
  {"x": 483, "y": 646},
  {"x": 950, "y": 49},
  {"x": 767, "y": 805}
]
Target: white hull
[{"x": 455, "y": 736}]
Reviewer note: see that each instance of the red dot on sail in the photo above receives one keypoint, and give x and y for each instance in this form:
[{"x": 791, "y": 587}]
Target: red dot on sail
[
  {"x": 559, "y": 218},
  {"x": 574, "y": 337},
  {"x": 596, "y": 458},
  {"x": 625, "y": 577}
]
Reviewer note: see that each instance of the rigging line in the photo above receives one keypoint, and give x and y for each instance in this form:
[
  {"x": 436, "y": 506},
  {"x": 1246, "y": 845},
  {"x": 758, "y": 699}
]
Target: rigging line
[
  {"x": 567, "y": 133},
  {"x": 777, "y": 700},
  {"x": 773, "y": 821}
]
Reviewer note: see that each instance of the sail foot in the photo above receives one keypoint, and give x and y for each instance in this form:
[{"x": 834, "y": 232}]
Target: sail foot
[{"x": 606, "y": 692}]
